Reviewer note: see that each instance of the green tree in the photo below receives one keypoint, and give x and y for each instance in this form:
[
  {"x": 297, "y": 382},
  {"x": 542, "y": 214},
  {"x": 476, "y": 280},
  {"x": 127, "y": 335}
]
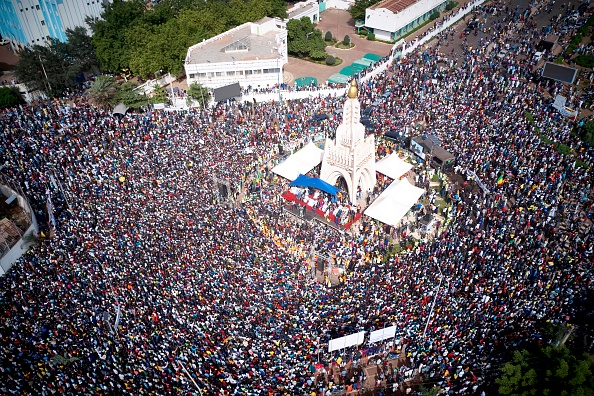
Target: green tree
[
  {"x": 357, "y": 10},
  {"x": 45, "y": 68},
  {"x": 303, "y": 39},
  {"x": 159, "y": 95},
  {"x": 553, "y": 371},
  {"x": 328, "y": 36},
  {"x": 103, "y": 92},
  {"x": 80, "y": 51},
  {"x": 198, "y": 93},
  {"x": 346, "y": 40},
  {"x": 9, "y": 97},
  {"x": 109, "y": 32},
  {"x": 132, "y": 98}
]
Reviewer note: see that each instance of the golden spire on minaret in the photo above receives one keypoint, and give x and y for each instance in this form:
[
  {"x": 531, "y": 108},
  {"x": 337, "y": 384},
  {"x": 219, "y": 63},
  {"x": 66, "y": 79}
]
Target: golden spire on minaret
[{"x": 353, "y": 90}]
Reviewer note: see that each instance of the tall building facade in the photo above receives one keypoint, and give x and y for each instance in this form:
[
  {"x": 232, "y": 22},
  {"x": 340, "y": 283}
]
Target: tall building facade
[{"x": 29, "y": 22}]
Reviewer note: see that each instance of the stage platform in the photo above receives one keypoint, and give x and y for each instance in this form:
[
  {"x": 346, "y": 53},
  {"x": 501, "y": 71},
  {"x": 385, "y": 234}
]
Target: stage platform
[{"x": 318, "y": 215}]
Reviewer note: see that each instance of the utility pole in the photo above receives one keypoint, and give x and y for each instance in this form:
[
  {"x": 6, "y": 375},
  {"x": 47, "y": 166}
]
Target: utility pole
[
  {"x": 44, "y": 73},
  {"x": 171, "y": 87}
]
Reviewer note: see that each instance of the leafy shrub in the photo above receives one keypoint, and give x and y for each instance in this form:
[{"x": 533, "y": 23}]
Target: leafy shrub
[
  {"x": 317, "y": 55},
  {"x": 450, "y": 6},
  {"x": 371, "y": 36},
  {"x": 330, "y": 60},
  {"x": 328, "y": 36},
  {"x": 434, "y": 15},
  {"x": 346, "y": 40},
  {"x": 585, "y": 60}
]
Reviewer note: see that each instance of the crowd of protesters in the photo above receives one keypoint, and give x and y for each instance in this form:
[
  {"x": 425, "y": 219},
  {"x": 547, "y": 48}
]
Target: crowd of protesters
[{"x": 155, "y": 284}]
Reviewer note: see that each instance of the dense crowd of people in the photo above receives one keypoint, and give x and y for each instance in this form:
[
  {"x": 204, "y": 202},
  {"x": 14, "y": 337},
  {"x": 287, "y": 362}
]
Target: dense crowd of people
[{"x": 153, "y": 284}]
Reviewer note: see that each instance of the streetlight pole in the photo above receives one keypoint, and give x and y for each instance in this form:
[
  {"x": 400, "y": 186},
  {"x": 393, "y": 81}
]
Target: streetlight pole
[
  {"x": 433, "y": 302},
  {"x": 171, "y": 87},
  {"x": 279, "y": 73},
  {"x": 44, "y": 73}
]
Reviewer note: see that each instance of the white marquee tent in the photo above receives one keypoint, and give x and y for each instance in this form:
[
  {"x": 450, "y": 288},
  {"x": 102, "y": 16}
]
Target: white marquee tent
[
  {"x": 391, "y": 206},
  {"x": 301, "y": 162},
  {"x": 392, "y": 166}
]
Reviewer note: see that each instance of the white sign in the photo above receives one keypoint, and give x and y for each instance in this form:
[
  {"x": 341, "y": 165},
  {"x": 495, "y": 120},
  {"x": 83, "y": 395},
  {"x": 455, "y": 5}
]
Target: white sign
[{"x": 382, "y": 334}]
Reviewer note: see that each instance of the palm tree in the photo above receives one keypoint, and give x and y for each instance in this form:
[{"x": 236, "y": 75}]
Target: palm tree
[{"x": 103, "y": 91}]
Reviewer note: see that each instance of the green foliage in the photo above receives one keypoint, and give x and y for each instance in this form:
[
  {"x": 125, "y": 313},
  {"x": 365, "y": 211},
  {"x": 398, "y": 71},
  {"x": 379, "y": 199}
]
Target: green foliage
[
  {"x": 62, "y": 62},
  {"x": 548, "y": 371},
  {"x": 328, "y": 36},
  {"x": 574, "y": 43},
  {"x": 330, "y": 60},
  {"x": 159, "y": 95},
  {"x": 109, "y": 32},
  {"x": 198, "y": 93},
  {"x": 131, "y": 98},
  {"x": 584, "y": 60},
  {"x": 434, "y": 15},
  {"x": 451, "y": 5},
  {"x": 346, "y": 40},
  {"x": 304, "y": 40},
  {"x": 371, "y": 36},
  {"x": 34, "y": 60},
  {"x": 357, "y": 9},
  {"x": 103, "y": 92},
  {"x": 9, "y": 97},
  {"x": 433, "y": 391},
  {"x": 144, "y": 40}
]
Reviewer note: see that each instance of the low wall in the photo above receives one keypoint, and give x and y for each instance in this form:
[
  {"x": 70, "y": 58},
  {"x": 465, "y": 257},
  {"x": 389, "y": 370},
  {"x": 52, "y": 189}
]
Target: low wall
[
  {"x": 16, "y": 251},
  {"x": 21, "y": 246}
]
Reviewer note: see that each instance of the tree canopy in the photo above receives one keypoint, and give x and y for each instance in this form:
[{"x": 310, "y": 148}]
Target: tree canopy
[
  {"x": 103, "y": 92},
  {"x": 198, "y": 93},
  {"x": 552, "y": 371},
  {"x": 57, "y": 66},
  {"x": 9, "y": 97},
  {"x": 357, "y": 10},
  {"x": 145, "y": 40},
  {"x": 304, "y": 40}
]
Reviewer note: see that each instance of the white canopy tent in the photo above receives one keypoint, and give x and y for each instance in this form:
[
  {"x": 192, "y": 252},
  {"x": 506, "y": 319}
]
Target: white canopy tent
[
  {"x": 392, "y": 166},
  {"x": 301, "y": 162},
  {"x": 391, "y": 206}
]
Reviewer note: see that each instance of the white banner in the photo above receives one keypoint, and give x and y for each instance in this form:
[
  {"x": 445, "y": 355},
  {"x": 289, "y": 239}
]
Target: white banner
[
  {"x": 355, "y": 339},
  {"x": 336, "y": 344},
  {"x": 347, "y": 341},
  {"x": 382, "y": 334}
]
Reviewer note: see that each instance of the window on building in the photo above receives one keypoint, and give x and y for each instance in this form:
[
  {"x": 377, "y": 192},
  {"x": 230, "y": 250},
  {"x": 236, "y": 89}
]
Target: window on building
[
  {"x": 201, "y": 75},
  {"x": 248, "y": 72},
  {"x": 219, "y": 74},
  {"x": 230, "y": 73},
  {"x": 240, "y": 73},
  {"x": 211, "y": 74},
  {"x": 258, "y": 71},
  {"x": 192, "y": 76}
]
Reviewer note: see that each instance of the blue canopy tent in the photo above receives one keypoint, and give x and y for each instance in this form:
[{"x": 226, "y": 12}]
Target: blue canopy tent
[{"x": 305, "y": 181}]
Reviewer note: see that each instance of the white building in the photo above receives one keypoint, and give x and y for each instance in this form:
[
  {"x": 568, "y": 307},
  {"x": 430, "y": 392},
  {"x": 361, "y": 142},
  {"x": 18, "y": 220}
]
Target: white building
[
  {"x": 392, "y": 19},
  {"x": 28, "y": 22},
  {"x": 309, "y": 9},
  {"x": 252, "y": 54},
  {"x": 350, "y": 155}
]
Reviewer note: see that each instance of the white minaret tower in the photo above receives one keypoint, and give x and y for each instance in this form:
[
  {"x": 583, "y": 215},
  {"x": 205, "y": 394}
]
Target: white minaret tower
[{"x": 351, "y": 155}]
